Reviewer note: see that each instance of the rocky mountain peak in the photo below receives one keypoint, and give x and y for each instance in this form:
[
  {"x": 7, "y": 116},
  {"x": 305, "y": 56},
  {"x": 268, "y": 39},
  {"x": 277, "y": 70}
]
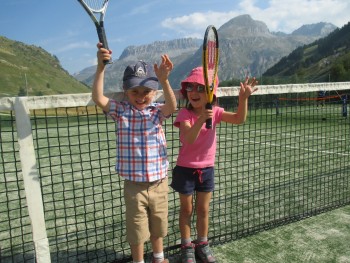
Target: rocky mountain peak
[
  {"x": 245, "y": 26},
  {"x": 319, "y": 29},
  {"x": 173, "y": 48},
  {"x": 246, "y": 46}
]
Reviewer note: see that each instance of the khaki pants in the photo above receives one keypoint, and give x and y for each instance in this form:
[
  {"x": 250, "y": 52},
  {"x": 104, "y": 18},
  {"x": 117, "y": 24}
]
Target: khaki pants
[{"x": 146, "y": 210}]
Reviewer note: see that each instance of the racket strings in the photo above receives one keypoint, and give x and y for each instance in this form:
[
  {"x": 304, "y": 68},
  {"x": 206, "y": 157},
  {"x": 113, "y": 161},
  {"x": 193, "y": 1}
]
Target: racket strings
[
  {"x": 211, "y": 47},
  {"x": 96, "y": 5},
  {"x": 211, "y": 58}
]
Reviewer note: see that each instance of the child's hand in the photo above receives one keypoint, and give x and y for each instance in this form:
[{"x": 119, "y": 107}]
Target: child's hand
[
  {"x": 247, "y": 88},
  {"x": 205, "y": 114},
  {"x": 163, "y": 70},
  {"x": 103, "y": 54}
]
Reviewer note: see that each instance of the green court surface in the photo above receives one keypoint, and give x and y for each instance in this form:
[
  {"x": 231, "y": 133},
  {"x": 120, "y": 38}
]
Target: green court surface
[{"x": 320, "y": 239}]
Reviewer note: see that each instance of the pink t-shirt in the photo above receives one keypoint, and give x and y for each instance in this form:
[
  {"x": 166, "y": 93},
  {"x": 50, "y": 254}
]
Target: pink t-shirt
[{"x": 201, "y": 153}]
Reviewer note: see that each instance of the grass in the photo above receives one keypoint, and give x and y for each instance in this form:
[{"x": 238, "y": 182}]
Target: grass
[
  {"x": 31, "y": 69},
  {"x": 320, "y": 239}
]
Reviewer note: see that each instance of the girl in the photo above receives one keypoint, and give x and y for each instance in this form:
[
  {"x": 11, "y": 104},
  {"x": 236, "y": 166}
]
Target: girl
[{"x": 194, "y": 170}]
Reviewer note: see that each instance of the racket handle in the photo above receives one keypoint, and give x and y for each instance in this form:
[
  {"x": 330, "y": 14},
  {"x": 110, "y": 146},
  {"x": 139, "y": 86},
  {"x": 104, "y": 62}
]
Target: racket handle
[
  {"x": 208, "y": 122},
  {"x": 103, "y": 39}
]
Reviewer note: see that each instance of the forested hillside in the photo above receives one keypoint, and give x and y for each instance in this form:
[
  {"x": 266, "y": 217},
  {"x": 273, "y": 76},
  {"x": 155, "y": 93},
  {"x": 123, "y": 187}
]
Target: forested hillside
[{"x": 326, "y": 59}]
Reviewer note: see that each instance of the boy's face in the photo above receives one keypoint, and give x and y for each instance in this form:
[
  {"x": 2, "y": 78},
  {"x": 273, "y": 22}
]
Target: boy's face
[{"x": 140, "y": 97}]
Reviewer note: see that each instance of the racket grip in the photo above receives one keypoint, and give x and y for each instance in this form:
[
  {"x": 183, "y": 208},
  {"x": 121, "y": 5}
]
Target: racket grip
[
  {"x": 208, "y": 122},
  {"x": 103, "y": 39}
]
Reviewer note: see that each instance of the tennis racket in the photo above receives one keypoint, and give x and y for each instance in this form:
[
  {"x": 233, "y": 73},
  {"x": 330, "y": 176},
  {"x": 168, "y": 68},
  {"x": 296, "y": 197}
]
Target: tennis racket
[
  {"x": 96, "y": 9},
  {"x": 210, "y": 66}
]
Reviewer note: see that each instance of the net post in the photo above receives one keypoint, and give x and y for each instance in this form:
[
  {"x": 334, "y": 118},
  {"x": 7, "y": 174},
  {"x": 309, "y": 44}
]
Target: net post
[{"x": 31, "y": 181}]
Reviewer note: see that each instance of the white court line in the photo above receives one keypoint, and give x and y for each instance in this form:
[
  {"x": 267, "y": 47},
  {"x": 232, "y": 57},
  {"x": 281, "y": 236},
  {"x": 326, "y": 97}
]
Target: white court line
[
  {"x": 293, "y": 147},
  {"x": 301, "y": 135},
  {"x": 290, "y": 147},
  {"x": 295, "y": 135}
]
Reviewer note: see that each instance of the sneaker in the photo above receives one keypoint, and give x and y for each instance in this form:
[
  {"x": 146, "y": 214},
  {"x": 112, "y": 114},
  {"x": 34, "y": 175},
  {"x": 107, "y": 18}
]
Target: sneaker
[
  {"x": 204, "y": 253},
  {"x": 157, "y": 261},
  {"x": 187, "y": 254}
]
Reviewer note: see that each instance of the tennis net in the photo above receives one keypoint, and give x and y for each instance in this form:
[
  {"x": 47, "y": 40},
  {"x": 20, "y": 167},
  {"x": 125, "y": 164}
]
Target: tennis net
[{"x": 61, "y": 200}]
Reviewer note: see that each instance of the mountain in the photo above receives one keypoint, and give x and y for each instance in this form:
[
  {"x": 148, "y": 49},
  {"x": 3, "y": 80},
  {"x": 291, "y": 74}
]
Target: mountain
[
  {"x": 326, "y": 59},
  {"x": 178, "y": 50},
  {"x": 27, "y": 69},
  {"x": 317, "y": 30},
  {"x": 246, "y": 47}
]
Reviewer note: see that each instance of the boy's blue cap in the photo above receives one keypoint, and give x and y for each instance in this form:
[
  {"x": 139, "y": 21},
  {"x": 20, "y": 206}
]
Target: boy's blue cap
[{"x": 140, "y": 74}]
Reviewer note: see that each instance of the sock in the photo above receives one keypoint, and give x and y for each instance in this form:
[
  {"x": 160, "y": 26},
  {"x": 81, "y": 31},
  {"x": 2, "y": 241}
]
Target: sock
[
  {"x": 158, "y": 257},
  {"x": 201, "y": 239},
  {"x": 186, "y": 241}
]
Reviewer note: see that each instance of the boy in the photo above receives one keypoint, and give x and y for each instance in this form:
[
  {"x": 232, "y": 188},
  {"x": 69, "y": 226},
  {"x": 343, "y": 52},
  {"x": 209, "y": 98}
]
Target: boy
[{"x": 141, "y": 149}]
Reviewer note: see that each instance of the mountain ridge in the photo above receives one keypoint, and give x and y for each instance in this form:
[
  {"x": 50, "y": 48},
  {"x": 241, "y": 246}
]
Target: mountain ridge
[
  {"x": 326, "y": 59},
  {"x": 246, "y": 47},
  {"x": 251, "y": 54}
]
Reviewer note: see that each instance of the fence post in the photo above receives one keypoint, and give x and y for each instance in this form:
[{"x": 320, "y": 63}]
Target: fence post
[
  {"x": 344, "y": 109},
  {"x": 277, "y": 105}
]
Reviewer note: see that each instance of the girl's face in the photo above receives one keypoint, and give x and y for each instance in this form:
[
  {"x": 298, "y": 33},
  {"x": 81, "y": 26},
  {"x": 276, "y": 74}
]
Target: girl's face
[
  {"x": 196, "y": 95},
  {"x": 140, "y": 97}
]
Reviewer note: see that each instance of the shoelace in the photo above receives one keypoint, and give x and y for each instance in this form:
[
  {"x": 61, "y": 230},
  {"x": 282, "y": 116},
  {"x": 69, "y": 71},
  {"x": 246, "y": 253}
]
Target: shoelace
[
  {"x": 189, "y": 245},
  {"x": 199, "y": 173},
  {"x": 201, "y": 243}
]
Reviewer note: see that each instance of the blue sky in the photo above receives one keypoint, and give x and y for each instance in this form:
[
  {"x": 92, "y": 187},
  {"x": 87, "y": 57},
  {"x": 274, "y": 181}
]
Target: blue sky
[{"x": 64, "y": 29}]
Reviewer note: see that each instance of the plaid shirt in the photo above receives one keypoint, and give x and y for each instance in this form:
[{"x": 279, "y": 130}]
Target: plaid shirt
[{"x": 141, "y": 144}]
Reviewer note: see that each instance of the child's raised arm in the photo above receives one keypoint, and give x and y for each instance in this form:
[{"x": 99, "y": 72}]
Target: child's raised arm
[
  {"x": 97, "y": 89},
  {"x": 239, "y": 117},
  {"x": 162, "y": 71}
]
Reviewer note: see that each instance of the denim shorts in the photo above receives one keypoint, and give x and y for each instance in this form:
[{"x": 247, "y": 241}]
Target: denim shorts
[{"x": 188, "y": 180}]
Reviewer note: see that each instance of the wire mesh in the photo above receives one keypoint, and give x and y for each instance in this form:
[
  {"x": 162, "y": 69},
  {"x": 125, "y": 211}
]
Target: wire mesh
[{"x": 290, "y": 160}]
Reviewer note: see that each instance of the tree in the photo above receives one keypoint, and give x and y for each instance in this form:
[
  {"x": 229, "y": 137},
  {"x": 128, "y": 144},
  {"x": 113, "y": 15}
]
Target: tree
[{"x": 337, "y": 72}]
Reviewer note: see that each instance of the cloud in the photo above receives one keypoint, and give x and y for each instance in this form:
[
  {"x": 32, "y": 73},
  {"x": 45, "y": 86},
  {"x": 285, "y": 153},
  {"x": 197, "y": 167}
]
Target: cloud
[
  {"x": 72, "y": 46},
  {"x": 93, "y": 61},
  {"x": 285, "y": 16},
  {"x": 194, "y": 24},
  {"x": 288, "y": 15},
  {"x": 144, "y": 9}
]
